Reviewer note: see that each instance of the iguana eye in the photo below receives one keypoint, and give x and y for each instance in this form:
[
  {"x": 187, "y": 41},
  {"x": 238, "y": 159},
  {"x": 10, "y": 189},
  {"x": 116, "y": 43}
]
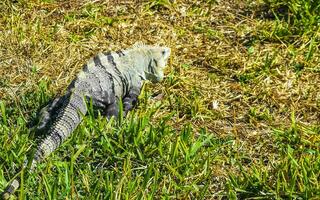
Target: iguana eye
[{"x": 163, "y": 52}]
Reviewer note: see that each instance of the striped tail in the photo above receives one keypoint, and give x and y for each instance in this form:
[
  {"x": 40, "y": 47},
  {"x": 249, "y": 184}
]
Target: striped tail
[{"x": 69, "y": 117}]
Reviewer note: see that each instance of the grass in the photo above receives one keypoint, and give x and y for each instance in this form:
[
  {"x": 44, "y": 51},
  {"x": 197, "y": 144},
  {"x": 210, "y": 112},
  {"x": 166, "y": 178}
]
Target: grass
[{"x": 237, "y": 116}]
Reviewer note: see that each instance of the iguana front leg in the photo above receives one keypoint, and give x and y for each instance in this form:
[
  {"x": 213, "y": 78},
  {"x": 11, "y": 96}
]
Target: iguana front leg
[
  {"x": 112, "y": 110},
  {"x": 130, "y": 100}
]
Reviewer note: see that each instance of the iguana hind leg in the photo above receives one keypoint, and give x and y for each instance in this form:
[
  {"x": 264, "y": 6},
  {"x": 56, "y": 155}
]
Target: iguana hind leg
[{"x": 47, "y": 112}]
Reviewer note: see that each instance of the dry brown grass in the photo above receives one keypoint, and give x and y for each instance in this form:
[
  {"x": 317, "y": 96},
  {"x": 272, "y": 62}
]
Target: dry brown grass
[{"x": 230, "y": 72}]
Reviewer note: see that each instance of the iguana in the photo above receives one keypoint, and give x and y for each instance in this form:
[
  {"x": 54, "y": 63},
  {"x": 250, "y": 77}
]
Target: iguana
[{"x": 106, "y": 79}]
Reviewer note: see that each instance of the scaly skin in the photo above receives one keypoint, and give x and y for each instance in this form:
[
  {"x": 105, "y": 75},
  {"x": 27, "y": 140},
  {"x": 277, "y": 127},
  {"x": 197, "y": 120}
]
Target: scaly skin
[{"x": 105, "y": 79}]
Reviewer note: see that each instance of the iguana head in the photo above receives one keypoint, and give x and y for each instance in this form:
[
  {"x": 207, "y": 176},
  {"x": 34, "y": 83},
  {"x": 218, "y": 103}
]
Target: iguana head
[
  {"x": 158, "y": 57},
  {"x": 153, "y": 59}
]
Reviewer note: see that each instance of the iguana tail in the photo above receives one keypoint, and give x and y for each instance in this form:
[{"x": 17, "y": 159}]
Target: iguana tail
[
  {"x": 68, "y": 118},
  {"x": 10, "y": 189}
]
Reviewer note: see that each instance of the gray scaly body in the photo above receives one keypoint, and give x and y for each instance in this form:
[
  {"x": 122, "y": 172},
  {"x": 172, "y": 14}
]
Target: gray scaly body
[{"x": 105, "y": 79}]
